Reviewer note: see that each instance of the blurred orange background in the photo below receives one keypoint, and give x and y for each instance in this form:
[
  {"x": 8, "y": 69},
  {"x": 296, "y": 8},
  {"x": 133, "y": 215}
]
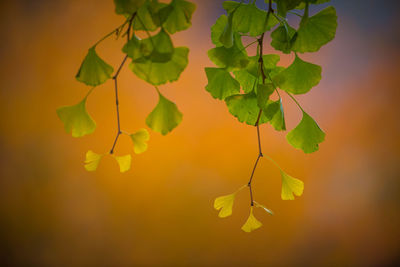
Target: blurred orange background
[{"x": 54, "y": 213}]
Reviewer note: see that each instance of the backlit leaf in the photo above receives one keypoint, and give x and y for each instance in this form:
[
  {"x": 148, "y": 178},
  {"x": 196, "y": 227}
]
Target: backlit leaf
[
  {"x": 158, "y": 73},
  {"x": 139, "y": 140},
  {"x": 226, "y": 37},
  {"x": 145, "y": 18},
  {"x": 248, "y": 18},
  {"x": 217, "y": 29},
  {"x": 220, "y": 83},
  {"x": 76, "y": 119},
  {"x": 307, "y": 135},
  {"x": 133, "y": 48},
  {"x": 245, "y": 108},
  {"x": 316, "y": 31},
  {"x": 263, "y": 93},
  {"x": 275, "y": 115},
  {"x": 92, "y": 160},
  {"x": 179, "y": 15},
  {"x": 299, "y": 77},
  {"x": 291, "y": 186},
  {"x": 252, "y": 223},
  {"x": 224, "y": 204},
  {"x": 282, "y": 38},
  {"x": 164, "y": 117},
  {"x": 94, "y": 71},
  {"x": 158, "y": 48},
  {"x": 124, "y": 162}
]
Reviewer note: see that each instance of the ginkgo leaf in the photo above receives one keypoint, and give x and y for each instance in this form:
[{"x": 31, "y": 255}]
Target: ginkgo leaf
[
  {"x": 220, "y": 83},
  {"x": 177, "y": 15},
  {"x": 252, "y": 223},
  {"x": 94, "y": 71},
  {"x": 92, "y": 160},
  {"x": 124, "y": 162},
  {"x": 291, "y": 186},
  {"x": 284, "y": 6},
  {"x": 248, "y": 18},
  {"x": 158, "y": 73},
  {"x": 133, "y": 48},
  {"x": 316, "y": 31},
  {"x": 282, "y": 38},
  {"x": 164, "y": 117},
  {"x": 217, "y": 29},
  {"x": 139, "y": 140},
  {"x": 127, "y": 7},
  {"x": 263, "y": 93},
  {"x": 76, "y": 120},
  {"x": 226, "y": 37},
  {"x": 158, "y": 48},
  {"x": 145, "y": 18},
  {"x": 273, "y": 111},
  {"x": 232, "y": 58},
  {"x": 258, "y": 205},
  {"x": 245, "y": 108},
  {"x": 230, "y": 6},
  {"x": 307, "y": 135},
  {"x": 299, "y": 77},
  {"x": 224, "y": 204}
]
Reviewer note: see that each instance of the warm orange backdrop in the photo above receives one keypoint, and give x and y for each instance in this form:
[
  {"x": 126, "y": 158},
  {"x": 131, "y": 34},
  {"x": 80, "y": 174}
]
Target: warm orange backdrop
[{"x": 54, "y": 213}]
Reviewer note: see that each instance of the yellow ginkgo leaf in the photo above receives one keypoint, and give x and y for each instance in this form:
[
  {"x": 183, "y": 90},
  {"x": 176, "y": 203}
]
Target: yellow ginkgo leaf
[
  {"x": 258, "y": 205},
  {"x": 224, "y": 204},
  {"x": 124, "y": 162},
  {"x": 291, "y": 186},
  {"x": 139, "y": 140},
  {"x": 92, "y": 160},
  {"x": 252, "y": 223}
]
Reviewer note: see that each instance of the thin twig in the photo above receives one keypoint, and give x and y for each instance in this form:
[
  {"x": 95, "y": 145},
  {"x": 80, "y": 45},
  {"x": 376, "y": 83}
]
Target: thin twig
[{"x": 119, "y": 132}]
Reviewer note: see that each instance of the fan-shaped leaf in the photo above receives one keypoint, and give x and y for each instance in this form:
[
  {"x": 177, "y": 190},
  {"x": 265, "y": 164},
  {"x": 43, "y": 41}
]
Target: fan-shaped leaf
[
  {"x": 139, "y": 140},
  {"x": 220, "y": 83},
  {"x": 92, "y": 160},
  {"x": 252, "y": 223},
  {"x": 290, "y": 186}
]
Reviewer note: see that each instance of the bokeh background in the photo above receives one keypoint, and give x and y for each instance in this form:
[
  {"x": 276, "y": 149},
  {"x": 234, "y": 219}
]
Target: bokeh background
[{"x": 54, "y": 213}]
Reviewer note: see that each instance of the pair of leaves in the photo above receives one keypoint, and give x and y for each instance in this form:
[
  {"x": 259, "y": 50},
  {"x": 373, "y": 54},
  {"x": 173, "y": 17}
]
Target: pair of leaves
[
  {"x": 313, "y": 33},
  {"x": 93, "y": 160}
]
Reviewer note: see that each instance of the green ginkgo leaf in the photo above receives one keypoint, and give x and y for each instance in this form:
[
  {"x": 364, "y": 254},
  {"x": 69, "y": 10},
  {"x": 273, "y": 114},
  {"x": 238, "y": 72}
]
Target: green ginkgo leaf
[
  {"x": 177, "y": 15},
  {"x": 226, "y": 37},
  {"x": 217, "y": 29},
  {"x": 158, "y": 73},
  {"x": 282, "y": 38},
  {"x": 284, "y": 6},
  {"x": 92, "y": 160},
  {"x": 158, "y": 48},
  {"x": 139, "y": 140},
  {"x": 263, "y": 93},
  {"x": 273, "y": 111},
  {"x": 164, "y": 117},
  {"x": 316, "y": 31},
  {"x": 248, "y": 18},
  {"x": 145, "y": 18},
  {"x": 230, "y": 6},
  {"x": 307, "y": 135},
  {"x": 245, "y": 108},
  {"x": 127, "y": 7},
  {"x": 133, "y": 48},
  {"x": 291, "y": 186},
  {"x": 94, "y": 71},
  {"x": 252, "y": 223},
  {"x": 232, "y": 58},
  {"x": 258, "y": 205},
  {"x": 124, "y": 162},
  {"x": 224, "y": 204},
  {"x": 220, "y": 83},
  {"x": 76, "y": 120},
  {"x": 299, "y": 77}
]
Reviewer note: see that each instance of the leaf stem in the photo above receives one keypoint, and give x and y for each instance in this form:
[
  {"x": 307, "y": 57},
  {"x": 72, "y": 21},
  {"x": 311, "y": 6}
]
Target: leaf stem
[
  {"x": 115, "y": 77},
  {"x": 116, "y": 30}
]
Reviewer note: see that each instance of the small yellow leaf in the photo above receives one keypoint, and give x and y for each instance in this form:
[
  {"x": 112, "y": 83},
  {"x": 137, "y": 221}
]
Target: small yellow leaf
[
  {"x": 252, "y": 223},
  {"x": 139, "y": 140},
  {"x": 124, "y": 162},
  {"x": 291, "y": 186},
  {"x": 224, "y": 204},
  {"x": 92, "y": 160}
]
